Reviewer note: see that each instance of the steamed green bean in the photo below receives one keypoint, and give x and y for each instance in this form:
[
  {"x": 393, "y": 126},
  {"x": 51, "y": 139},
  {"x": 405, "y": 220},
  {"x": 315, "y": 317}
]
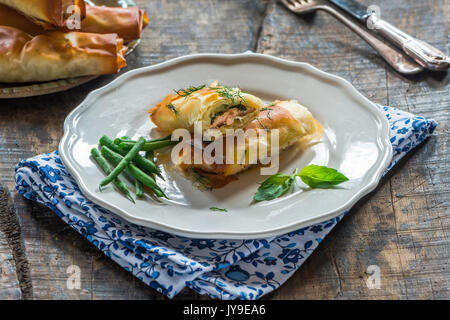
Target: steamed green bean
[
  {"x": 123, "y": 163},
  {"x": 133, "y": 170},
  {"x": 107, "y": 168},
  {"x": 146, "y": 165},
  {"x": 149, "y": 145},
  {"x": 139, "y": 189}
]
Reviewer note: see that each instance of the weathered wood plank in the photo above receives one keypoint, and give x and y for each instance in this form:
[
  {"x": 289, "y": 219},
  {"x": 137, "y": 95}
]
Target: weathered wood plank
[
  {"x": 325, "y": 43},
  {"x": 9, "y": 284},
  {"x": 9, "y": 279},
  {"x": 404, "y": 226}
]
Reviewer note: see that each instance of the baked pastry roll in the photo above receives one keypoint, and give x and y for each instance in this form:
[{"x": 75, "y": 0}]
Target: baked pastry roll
[
  {"x": 295, "y": 124},
  {"x": 212, "y": 107},
  {"x": 47, "y": 13},
  {"x": 128, "y": 23},
  {"x": 56, "y": 55}
]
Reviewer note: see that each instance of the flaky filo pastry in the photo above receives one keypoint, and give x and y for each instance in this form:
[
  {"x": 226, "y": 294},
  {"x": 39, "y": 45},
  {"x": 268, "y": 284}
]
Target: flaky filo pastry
[
  {"x": 48, "y": 13},
  {"x": 294, "y": 122},
  {"x": 211, "y": 107},
  {"x": 57, "y": 55},
  {"x": 128, "y": 23},
  {"x": 11, "y": 18}
]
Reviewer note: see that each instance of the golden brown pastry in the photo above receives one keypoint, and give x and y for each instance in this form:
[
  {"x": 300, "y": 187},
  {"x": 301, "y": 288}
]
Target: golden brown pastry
[
  {"x": 212, "y": 107},
  {"x": 11, "y": 18},
  {"x": 294, "y": 124},
  {"x": 57, "y": 55},
  {"x": 47, "y": 13},
  {"x": 128, "y": 23}
]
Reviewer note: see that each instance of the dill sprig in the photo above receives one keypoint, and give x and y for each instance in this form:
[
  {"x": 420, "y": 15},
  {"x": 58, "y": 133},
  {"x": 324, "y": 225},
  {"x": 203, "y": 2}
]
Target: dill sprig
[
  {"x": 188, "y": 91},
  {"x": 268, "y": 109},
  {"x": 218, "y": 209},
  {"x": 232, "y": 94},
  {"x": 262, "y": 125},
  {"x": 172, "y": 107}
]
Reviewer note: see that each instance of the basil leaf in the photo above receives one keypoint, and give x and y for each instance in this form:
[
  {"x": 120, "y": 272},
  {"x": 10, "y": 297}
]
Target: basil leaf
[
  {"x": 314, "y": 176},
  {"x": 275, "y": 186},
  {"x": 321, "y": 177}
]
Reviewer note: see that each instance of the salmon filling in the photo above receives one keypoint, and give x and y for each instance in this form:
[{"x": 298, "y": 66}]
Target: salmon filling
[{"x": 227, "y": 118}]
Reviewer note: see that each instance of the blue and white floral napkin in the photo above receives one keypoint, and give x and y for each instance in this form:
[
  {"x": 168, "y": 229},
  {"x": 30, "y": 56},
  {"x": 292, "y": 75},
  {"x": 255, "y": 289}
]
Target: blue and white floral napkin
[{"x": 224, "y": 269}]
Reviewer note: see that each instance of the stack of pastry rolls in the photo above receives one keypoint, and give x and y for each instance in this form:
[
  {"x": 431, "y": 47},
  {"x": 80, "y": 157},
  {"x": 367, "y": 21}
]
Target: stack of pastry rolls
[
  {"x": 228, "y": 111},
  {"x": 43, "y": 40}
]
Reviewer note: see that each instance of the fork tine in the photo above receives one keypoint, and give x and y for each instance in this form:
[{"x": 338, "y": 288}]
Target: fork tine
[
  {"x": 286, "y": 3},
  {"x": 294, "y": 4}
]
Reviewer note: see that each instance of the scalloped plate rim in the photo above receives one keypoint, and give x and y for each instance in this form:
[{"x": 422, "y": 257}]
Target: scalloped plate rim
[{"x": 383, "y": 143}]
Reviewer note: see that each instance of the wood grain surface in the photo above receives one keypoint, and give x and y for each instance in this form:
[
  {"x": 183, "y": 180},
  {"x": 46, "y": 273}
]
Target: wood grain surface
[
  {"x": 403, "y": 227},
  {"x": 14, "y": 276},
  {"x": 9, "y": 284}
]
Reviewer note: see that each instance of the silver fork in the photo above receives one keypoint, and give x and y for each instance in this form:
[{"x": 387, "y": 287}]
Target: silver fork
[{"x": 392, "y": 56}]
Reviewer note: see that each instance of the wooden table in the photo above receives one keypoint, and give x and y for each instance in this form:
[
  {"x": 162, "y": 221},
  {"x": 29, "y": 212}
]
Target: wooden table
[{"x": 403, "y": 227}]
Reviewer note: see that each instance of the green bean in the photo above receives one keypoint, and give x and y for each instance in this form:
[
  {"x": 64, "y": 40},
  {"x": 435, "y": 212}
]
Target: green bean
[
  {"x": 149, "y": 145},
  {"x": 106, "y": 167},
  {"x": 119, "y": 140},
  {"x": 153, "y": 144},
  {"x": 106, "y": 141},
  {"x": 139, "y": 189},
  {"x": 133, "y": 171},
  {"x": 123, "y": 163},
  {"x": 166, "y": 138},
  {"x": 127, "y": 139},
  {"x": 146, "y": 165}
]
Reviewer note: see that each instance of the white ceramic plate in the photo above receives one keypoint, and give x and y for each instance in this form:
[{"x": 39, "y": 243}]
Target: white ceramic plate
[{"x": 356, "y": 142}]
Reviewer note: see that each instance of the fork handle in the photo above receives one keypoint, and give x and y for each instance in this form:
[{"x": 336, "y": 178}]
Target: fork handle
[
  {"x": 392, "y": 56},
  {"x": 423, "y": 53}
]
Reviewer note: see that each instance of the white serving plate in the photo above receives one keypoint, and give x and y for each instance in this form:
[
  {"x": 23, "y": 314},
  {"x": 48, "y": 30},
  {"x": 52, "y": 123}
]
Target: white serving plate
[{"x": 355, "y": 141}]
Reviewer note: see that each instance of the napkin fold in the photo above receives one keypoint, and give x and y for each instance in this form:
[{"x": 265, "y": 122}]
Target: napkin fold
[{"x": 223, "y": 269}]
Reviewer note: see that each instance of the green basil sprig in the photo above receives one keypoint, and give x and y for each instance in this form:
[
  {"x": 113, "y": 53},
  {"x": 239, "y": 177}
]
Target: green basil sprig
[{"x": 314, "y": 176}]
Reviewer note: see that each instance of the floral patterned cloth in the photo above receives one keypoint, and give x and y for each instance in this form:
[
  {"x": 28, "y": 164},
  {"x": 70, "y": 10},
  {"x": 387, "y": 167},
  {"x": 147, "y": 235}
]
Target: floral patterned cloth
[{"x": 224, "y": 269}]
